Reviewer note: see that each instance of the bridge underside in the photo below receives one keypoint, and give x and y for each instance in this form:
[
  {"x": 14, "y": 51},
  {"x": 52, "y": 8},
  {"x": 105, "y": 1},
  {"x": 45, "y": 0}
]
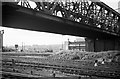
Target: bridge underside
[
  {"x": 19, "y": 17},
  {"x": 15, "y": 16}
]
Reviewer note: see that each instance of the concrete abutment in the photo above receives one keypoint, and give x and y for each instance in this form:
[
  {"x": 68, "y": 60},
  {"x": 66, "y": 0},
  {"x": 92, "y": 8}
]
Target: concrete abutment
[{"x": 98, "y": 45}]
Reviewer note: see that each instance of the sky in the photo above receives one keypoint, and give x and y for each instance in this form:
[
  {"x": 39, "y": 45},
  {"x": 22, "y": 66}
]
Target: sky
[
  {"x": 17, "y": 36},
  {"x": 112, "y": 3}
]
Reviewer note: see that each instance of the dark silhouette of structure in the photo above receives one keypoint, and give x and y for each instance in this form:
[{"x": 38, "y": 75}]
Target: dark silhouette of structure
[
  {"x": 96, "y": 21},
  {"x": 1, "y": 40}
]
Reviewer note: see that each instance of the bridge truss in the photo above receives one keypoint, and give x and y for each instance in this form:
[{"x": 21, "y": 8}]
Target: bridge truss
[
  {"x": 95, "y": 14},
  {"x": 87, "y": 18}
]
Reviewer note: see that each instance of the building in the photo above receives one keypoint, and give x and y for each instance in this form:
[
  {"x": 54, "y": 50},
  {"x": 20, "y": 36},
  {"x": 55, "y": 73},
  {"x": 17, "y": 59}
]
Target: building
[
  {"x": 76, "y": 45},
  {"x": 1, "y": 39}
]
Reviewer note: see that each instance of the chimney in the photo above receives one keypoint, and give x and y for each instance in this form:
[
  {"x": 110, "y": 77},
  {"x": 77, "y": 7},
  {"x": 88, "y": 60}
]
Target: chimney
[
  {"x": 119, "y": 7},
  {"x": 1, "y": 39}
]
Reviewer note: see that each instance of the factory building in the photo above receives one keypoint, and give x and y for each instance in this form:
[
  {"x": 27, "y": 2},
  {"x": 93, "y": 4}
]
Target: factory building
[
  {"x": 1, "y": 39},
  {"x": 75, "y": 45}
]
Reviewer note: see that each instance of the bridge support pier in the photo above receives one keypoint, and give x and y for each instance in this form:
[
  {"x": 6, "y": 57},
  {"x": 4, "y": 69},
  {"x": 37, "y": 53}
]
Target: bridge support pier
[{"x": 98, "y": 45}]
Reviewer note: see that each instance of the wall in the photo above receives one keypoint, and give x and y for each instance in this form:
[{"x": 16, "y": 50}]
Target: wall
[{"x": 98, "y": 45}]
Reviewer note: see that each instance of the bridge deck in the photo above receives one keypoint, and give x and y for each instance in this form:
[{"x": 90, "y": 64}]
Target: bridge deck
[{"x": 16, "y": 16}]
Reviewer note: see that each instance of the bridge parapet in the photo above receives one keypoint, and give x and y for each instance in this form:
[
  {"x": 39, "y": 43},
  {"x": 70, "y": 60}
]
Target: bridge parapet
[{"x": 93, "y": 13}]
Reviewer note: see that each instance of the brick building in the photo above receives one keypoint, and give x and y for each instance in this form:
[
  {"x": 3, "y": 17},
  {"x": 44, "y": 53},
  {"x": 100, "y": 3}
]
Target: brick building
[{"x": 76, "y": 45}]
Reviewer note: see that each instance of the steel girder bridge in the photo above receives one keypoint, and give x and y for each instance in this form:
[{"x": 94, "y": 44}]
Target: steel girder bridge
[{"x": 87, "y": 18}]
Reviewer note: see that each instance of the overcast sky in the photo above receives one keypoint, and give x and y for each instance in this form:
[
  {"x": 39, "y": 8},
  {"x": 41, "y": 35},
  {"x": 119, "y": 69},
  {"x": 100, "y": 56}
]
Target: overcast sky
[{"x": 17, "y": 36}]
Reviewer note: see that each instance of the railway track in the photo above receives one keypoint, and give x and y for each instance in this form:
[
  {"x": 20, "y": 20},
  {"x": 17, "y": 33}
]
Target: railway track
[{"x": 60, "y": 65}]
